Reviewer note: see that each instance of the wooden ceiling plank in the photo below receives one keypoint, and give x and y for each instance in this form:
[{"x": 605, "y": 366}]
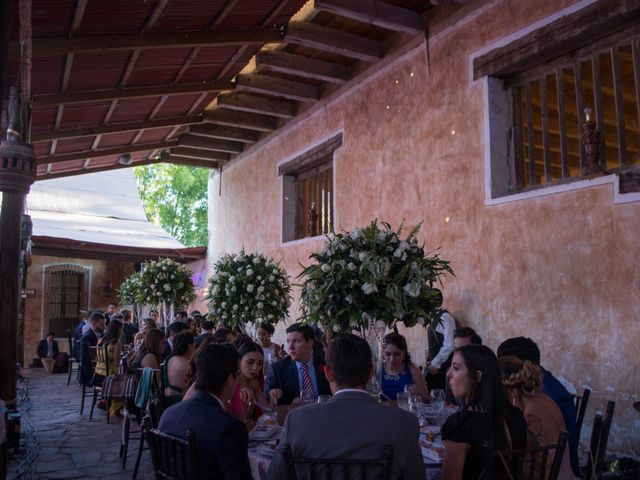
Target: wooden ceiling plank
[
  {"x": 245, "y": 102},
  {"x": 73, "y": 172},
  {"x": 157, "y": 12},
  {"x": 106, "y": 152},
  {"x": 81, "y": 6},
  {"x": 278, "y": 87},
  {"x": 197, "y": 141},
  {"x": 114, "y": 128},
  {"x": 374, "y": 12},
  {"x": 200, "y": 154},
  {"x": 250, "y": 121},
  {"x": 224, "y": 133},
  {"x": 105, "y": 43},
  {"x": 142, "y": 92},
  {"x": 334, "y": 41},
  {"x": 192, "y": 162},
  {"x": 301, "y": 66}
]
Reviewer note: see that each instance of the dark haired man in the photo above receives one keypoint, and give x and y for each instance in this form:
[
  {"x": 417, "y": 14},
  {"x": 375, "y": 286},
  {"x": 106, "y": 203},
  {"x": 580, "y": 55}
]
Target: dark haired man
[
  {"x": 181, "y": 316},
  {"x": 207, "y": 331},
  {"x": 526, "y": 349},
  {"x": 298, "y": 373},
  {"x": 111, "y": 310},
  {"x": 174, "y": 329},
  {"x": 222, "y": 440},
  {"x": 96, "y": 322},
  {"x": 352, "y": 425}
]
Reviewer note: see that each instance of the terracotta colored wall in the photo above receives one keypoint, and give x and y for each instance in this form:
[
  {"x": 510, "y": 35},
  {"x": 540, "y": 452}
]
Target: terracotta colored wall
[
  {"x": 563, "y": 269},
  {"x": 102, "y": 273}
]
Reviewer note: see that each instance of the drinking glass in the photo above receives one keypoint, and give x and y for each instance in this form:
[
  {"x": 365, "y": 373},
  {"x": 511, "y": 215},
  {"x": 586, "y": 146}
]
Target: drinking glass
[
  {"x": 402, "y": 398},
  {"x": 410, "y": 388},
  {"x": 437, "y": 397},
  {"x": 323, "y": 398},
  {"x": 414, "y": 402}
]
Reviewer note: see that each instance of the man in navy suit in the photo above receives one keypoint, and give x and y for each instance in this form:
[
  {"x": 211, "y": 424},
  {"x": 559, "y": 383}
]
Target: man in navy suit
[
  {"x": 298, "y": 373},
  {"x": 222, "y": 440},
  {"x": 89, "y": 339}
]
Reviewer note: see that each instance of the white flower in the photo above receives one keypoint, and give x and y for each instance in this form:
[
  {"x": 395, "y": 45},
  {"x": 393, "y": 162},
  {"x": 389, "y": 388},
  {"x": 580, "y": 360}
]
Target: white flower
[
  {"x": 260, "y": 305},
  {"x": 336, "y": 328},
  {"x": 355, "y": 233},
  {"x": 235, "y": 307},
  {"x": 256, "y": 261},
  {"x": 260, "y": 289},
  {"x": 249, "y": 272},
  {"x": 223, "y": 305},
  {"x": 259, "y": 277},
  {"x": 167, "y": 287},
  {"x": 351, "y": 266},
  {"x": 153, "y": 286},
  {"x": 164, "y": 268},
  {"x": 349, "y": 299},
  {"x": 363, "y": 256},
  {"x": 271, "y": 278},
  {"x": 270, "y": 316},
  {"x": 250, "y": 288},
  {"x": 173, "y": 276},
  {"x": 232, "y": 279},
  {"x": 368, "y": 288},
  {"x": 325, "y": 268},
  {"x": 412, "y": 289},
  {"x": 274, "y": 303}
]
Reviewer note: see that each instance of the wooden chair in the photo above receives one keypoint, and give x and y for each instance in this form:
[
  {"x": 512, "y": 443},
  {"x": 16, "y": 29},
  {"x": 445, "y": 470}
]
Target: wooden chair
[
  {"x": 598, "y": 444},
  {"x": 101, "y": 356},
  {"x": 173, "y": 458},
  {"x": 73, "y": 351},
  {"x": 581, "y": 402},
  {"x": 347, "y": 469},
  {"x": 530, "y": 463}
]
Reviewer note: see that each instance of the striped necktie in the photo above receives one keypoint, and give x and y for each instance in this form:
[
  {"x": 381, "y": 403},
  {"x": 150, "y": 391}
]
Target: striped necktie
[{"x": 307, "y": 386}]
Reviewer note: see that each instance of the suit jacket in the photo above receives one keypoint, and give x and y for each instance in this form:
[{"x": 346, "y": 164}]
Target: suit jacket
[
  {"x": 128, "y": 332},
  {"x": 222, "y": 439},
  {"x": 352, "y": 425},
  {"x": 43, "y": 348},
  {"x": 284, "y": 375},
  {"x": 89, "y": 339},
  {"x": 201, "y": 337}
]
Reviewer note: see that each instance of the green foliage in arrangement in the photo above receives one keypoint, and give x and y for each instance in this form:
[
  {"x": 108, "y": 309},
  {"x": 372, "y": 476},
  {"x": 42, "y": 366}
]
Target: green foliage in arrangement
[
  {"x": 372, "y": 274},
  {"x": 165, "y": 281},
  {"x": 129, "y": 289}
]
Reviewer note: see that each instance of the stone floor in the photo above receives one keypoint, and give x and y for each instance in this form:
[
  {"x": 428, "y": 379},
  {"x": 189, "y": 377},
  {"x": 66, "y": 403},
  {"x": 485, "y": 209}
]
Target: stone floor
[{"x": 70, "y": 446}]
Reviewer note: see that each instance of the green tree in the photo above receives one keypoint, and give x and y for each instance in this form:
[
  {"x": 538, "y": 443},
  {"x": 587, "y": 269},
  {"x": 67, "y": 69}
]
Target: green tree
[{"x": 175, "y": 198}]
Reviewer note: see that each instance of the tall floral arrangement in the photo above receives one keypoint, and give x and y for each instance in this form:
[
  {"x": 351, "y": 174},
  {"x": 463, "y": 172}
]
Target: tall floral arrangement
[
  {"x": 372, "y": 274},
  {"x": 165, "y": 282},
  {"x": 248, "y": 288},
  {"x": 129, "y": 290}
]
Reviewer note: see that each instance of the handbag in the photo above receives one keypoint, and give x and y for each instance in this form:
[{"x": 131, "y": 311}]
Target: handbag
[{"x": 120, "y": 386}]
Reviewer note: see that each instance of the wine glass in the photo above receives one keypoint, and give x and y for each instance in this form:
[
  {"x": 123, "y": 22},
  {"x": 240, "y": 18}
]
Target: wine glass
[{"x": 402, "y": 399}]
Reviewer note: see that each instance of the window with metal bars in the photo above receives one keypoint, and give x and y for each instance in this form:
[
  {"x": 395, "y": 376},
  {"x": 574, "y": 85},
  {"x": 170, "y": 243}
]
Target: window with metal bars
[
  {"x": 308, "y": 200},
  {"x": 66, "y": 297},
  {"x": 549, "y": 110}
]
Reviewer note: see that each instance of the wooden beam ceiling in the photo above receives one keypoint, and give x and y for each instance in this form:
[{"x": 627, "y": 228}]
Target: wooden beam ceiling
[
  {"x": 301, "y": 66},
  {"x": 245, "y": 102},
  {"x": 142, "y": 92},
  {"x": 374, "y": 12},
  {"x": 103, "y": 43},
  {"x": 250, "y": 121},
  {"x": 225, "y": 133},
  {"x": 104, "y": 168},
  {"x": 192, "y": 162},
  {"x": 334, "y": 41},
  {"x": 114, "y": 128},
  {"x": 143, "y": 147},
  {"x": 278, "y": 87},
  {"x": 200, "y": 154},
  {"x": 197, "y": 141}
]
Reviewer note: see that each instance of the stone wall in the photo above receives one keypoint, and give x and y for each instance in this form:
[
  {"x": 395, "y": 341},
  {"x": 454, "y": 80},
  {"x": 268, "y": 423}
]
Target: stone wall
[{"x": 563, "y": 269}]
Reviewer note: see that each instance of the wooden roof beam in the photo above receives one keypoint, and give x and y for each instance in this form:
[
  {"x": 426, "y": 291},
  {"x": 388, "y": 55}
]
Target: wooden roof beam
[
  {"x": 197, "y": 141},
  {"x": 192, "y": 162},
  {"x": 142, "y": 92},
  {"x": 142, "y": 147},
  {"x": 250, "y": 121},
  {"x": 225, "y": 133},
  {"x": 104, "y": 168},
  {"x": 104, "y": 43},
  {"x": 301, "y": 66},
  {"x": 245, "y": 102},
  {"x": 200, "y": 154},
  {"x": 278, "y": 87},
  {"x": 374, "y": 12},
  {"x": 115, "y": 128},
  {"x": 334, "y": 41}
]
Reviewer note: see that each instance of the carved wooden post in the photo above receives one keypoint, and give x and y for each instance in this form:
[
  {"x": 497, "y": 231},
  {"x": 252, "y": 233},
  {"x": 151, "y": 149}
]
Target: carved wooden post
[{"x": 313, "y": 220}]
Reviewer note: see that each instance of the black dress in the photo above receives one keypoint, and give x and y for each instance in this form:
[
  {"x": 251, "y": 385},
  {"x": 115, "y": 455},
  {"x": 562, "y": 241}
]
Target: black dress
[{"x": 474, "y": 428}]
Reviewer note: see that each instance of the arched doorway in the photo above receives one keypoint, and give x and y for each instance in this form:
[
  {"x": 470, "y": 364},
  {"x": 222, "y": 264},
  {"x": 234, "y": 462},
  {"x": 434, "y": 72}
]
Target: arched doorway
[{"x": 66, "y": 288}]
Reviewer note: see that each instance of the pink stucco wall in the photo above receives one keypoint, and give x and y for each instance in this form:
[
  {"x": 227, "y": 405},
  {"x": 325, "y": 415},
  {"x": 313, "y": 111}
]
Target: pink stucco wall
[{"x": 563, "y": 269}]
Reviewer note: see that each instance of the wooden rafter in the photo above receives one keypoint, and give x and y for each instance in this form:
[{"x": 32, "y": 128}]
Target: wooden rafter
[
  {"x": 105, "y": 43},
  {"x": 114, "y": 128},
  {"x": 225, "y": 133},
  {"x": 197, "y": 141},
  {"x": 142, "y": 92},
  {"x": 105, "y": 168},
  {"x": 278, "y": 87},
  {"x": 334, "y": 41},
  {"x": 250, "y": 121},
  {"x": 301, "y": 66},
  {"x": 245, "y": 102},
  {"x": 200, "y": 154},
  {"x": 374, "y": 12},
  {"x": 192, "y": 162},
  {"x": 143, "y": 147}
]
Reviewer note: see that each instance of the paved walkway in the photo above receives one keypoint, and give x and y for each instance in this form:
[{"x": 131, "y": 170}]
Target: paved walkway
[{"x": 71, "y": 446}]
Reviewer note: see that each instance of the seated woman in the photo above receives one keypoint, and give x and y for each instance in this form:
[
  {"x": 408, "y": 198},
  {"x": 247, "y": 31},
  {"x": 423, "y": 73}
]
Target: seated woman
[
  {"x": 176, "y": 367},
  {"x": 111, "y": 342},
  {"x": 146, "y": 324},
  {"x": 474, "y": 376},
  {"x": 397, "y": 369},
  {"x": 150, "y": 354},
  {"x": 193, "y": 327},
  {"x": 271, "y": 350},
  {"x": 523, "y": 385},
  {"x": 250, "y": 384}
]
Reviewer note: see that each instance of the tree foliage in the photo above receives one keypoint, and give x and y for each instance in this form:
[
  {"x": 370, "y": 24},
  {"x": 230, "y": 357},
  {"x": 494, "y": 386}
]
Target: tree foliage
[{"x": 175, "y": 198}]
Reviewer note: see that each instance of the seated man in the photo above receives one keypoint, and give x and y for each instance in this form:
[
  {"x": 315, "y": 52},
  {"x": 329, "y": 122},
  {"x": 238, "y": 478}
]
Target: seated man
[
  {"x": 298, "y": 373},
  {"x": 352, "y": 425},
  {"x": 96, "y": 322},
  {"x": 526, "y": 349},
  {"x": 222, "y": 440}
]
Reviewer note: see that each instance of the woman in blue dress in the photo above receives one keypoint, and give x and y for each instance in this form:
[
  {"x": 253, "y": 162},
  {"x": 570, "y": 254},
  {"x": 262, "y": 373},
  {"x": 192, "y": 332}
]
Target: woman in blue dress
[{"x": 398, "y": 371}]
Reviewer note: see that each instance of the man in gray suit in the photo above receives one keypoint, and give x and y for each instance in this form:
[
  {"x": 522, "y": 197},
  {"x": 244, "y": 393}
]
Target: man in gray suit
[{"x": 352, "y": 424}]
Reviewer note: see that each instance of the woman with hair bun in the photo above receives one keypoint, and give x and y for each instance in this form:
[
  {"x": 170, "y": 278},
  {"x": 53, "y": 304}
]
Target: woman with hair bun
[
  {"x": 397, "y": 369},
  {"x": 522, "y": 382}
]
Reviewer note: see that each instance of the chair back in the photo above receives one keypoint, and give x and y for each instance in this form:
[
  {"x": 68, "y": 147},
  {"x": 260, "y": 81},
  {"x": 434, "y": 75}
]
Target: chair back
[
  {"x": 72, "y": 352},
  {"x": 581, "y": 402},
  {"x": 347, "y": 469},
  {"x": 173, "y": 458},
  {"x": 531, "y": 463},
  {"x": 102, "y": 356},
  {"x": 599, "y": 440}
]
